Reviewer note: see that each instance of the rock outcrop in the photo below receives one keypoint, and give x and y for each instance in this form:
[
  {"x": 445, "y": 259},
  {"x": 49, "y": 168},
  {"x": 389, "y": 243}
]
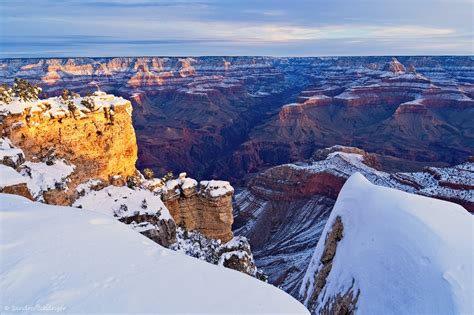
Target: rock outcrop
[
  {"x": 394, "y": 66},
  {"x": 364, "y": 226},
  {"x": 235, "y": 254},
  {"x": 207, "y": 208},
  {"x": 342, "y": 303},
  {"x": 100, "y": 144},
  {"x": 13, "y": 183}
]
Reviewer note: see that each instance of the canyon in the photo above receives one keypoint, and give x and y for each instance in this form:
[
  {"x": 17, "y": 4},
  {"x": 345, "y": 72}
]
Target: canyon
[
  {"x": 284, "y": 209},
  {"x": 232, "y": 117},
  {"x": 286, "y": 132}
]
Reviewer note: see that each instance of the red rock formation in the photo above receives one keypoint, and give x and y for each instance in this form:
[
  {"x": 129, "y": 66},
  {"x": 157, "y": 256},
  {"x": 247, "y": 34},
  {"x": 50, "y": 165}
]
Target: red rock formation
[
  {"x": 394, "y": 66},
  {"x": 207, "y": 208},
  {"x": 18, "y": 189},
  {"x": 220, "y": 117},
  {"x": 96, "y": 145}
]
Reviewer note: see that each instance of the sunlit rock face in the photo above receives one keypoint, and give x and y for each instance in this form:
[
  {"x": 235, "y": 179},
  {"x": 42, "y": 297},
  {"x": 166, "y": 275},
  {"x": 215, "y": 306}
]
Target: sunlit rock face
[
  {"x": 231, "y": 116},
  {"x": 96, "y": 145}
]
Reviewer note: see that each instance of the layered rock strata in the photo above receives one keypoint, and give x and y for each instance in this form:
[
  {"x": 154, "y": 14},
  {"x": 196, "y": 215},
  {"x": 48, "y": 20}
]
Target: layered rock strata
[
  {"x": 283, "y": 210},
  {"x": 99, "y": 143},
  {"x": 206, "y": 208},
  {"x": 225, "y": 117}
]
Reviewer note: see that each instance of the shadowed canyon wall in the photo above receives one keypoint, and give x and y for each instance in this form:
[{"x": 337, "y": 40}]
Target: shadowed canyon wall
[{"x": 228, "y": 117}]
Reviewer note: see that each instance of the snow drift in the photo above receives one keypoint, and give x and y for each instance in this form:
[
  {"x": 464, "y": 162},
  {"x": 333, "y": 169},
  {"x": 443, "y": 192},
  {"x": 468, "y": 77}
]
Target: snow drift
[
  {"x": 76, "y": 260},
  {"x": 399, "y": 253}
]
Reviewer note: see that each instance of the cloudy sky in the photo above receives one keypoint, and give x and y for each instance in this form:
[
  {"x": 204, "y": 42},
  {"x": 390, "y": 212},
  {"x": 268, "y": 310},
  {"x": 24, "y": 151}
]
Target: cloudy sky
[{"x": 39, "y": 28}]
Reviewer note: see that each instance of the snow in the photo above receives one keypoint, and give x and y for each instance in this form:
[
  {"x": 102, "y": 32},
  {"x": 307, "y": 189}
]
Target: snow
[
  {"x": 58, "y": 106},
  {"x": 84, "y": 262},
  {"x": 216, "y": 188},
  {"x": 10, "y": 177},
  {"x": 188, "y": 183},
  {"x": 44, "y": 177},
  {"x": 86, "y": 187},
  {"x": 408, "y": 254},
  {"x": 173, "y": 184},
  {"x": 8, "y": 150},
  {"x": 291, "y": 105},
  {"x": 123, "y": 202}
]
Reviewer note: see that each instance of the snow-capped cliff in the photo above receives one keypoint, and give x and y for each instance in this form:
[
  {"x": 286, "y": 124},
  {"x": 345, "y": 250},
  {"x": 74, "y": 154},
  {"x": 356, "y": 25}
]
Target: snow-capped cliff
[
  {"x": 284, "y": 209},
  {"x": 384, "y": 251}
]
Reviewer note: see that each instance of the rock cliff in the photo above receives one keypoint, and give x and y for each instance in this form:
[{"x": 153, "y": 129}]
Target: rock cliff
[
  {"x": 206, "y": 208},
  {"x": 284, "y": 209},
  {"x": 402, "y": 243},
  {"x": 99, "y": 143}
]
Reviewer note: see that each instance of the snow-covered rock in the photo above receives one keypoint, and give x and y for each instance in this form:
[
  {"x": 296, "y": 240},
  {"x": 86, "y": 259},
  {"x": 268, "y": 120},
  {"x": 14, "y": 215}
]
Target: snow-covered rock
[
  {"x": 11, "y": 182},
  {"x": 215, "y": 188},
  {"x": 10, "y": 177},
  {"x": 80, "y": 261},
  {"x": 206, "y": 208},
  {"x": 9, "y": 154},
  {"x": 140, "y": 208},
  {"x": 235, "y": 254},
  {"x": 384, "y": 251},
  {"x": 45, "y": 176},
  {"x": 57, "y": 107}
]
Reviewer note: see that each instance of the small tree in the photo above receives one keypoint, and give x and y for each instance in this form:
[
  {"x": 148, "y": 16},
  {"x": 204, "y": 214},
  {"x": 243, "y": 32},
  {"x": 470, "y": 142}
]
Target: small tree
[
  {"x": 167, "y": 177},
  {"x": 133, "y": 182},
  {"x": 148, "y": 173},
  {"x": 89, "y": 103},
  {"x": 6, "y": 93},
  {"x": 26, "y": 91},
  {"x": 144, "y": 204},
  {"x": 71, "y": 107},
  {"x": 65, "y": 94}
]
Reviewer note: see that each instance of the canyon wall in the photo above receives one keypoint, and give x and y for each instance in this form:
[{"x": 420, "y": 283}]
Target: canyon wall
[
  {"x": 229, "y": 117},
  {"x": 283, "y": 210}
]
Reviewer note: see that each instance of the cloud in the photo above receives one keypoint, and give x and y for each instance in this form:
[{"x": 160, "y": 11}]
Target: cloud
[
  {"x": 145, "y": 4},
  {"x": 245, "y": 26},
  {"x": 281, "y": 33}
]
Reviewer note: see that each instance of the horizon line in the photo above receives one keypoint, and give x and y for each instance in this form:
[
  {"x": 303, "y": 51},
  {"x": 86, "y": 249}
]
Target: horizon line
[{"x": 259, "y": 56}]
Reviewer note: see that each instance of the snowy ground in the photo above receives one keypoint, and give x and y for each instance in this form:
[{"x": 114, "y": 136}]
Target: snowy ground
[
  {"x": 56, "y": 107},
  {"x": 122, "y": 202},
  {"x": 74, "y": 260},
  {"x": 408, "y": 254}
]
